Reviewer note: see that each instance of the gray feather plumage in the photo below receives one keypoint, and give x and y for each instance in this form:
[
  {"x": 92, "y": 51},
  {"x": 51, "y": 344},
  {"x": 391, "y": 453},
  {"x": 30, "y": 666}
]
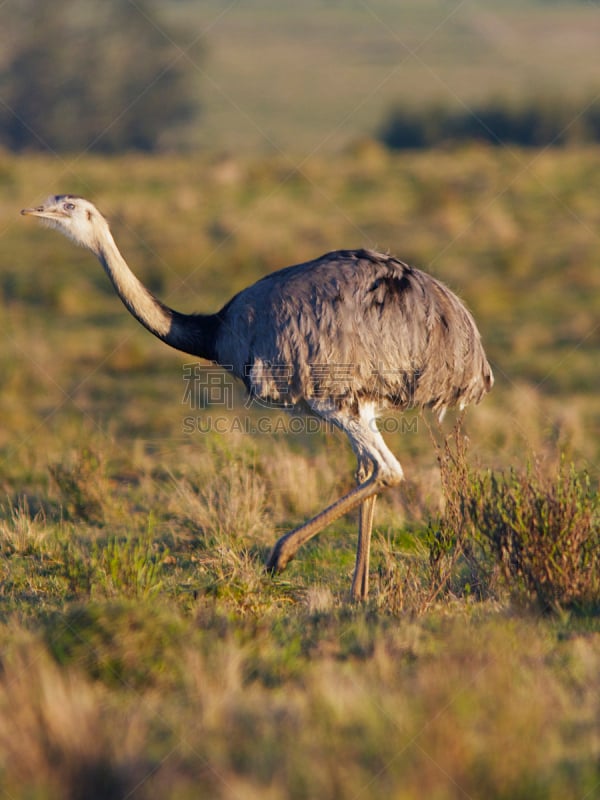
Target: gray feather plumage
[{"x": 354, "y": 325}]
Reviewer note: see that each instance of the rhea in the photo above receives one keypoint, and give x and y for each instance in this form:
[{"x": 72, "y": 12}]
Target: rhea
[{"x": 343, "y": 337}]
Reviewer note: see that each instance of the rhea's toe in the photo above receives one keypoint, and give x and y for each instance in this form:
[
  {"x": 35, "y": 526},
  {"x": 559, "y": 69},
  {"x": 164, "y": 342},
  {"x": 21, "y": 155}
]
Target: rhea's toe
[{"x": 277, "y": 560}]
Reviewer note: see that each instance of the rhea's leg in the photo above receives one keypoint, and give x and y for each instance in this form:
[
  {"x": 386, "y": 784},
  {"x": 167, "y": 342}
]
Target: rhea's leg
[
  {"x": 288, "y": 545},
  {"x": 383, "y": 470},
  {"x": 360, "y": 581}
]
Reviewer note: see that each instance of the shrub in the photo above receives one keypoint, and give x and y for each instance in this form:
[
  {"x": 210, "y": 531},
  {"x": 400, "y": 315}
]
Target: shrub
[
  {"x": 543, "y": 532},
  {"x": 534, "y": 122},
  {"x": 539, "y": 532}
]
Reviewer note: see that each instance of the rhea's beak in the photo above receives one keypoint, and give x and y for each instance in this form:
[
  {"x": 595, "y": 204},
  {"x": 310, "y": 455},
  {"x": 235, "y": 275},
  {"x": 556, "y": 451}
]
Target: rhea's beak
[
  {"x": 43, "y": 212},
  {"x": 33, "y": 212}
]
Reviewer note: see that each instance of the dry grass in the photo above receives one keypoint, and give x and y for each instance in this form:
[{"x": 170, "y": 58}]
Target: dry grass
[
  {"x": 57, "y": 733},
  {"x": 230, "y": 503},
  {"x": 21, "y": 531},
  {"x": 446, "y": 710}
]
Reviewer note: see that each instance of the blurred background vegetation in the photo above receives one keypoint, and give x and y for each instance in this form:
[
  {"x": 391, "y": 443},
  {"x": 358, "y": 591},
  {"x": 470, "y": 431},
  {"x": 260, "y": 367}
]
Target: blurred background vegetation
[
  {"x": 170, "y": 75},
  {"x": 79, "y": 75}
]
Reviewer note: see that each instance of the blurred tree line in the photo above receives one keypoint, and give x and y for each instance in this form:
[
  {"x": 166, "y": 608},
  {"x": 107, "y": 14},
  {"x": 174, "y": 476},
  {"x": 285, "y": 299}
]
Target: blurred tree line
[
  {"x": 79, "y": 75},
  {"x": 535, "y": 122}
]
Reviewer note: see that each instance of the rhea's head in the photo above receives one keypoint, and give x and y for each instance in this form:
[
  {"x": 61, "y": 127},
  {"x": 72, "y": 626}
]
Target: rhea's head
[{"x": 73, "y": 216}]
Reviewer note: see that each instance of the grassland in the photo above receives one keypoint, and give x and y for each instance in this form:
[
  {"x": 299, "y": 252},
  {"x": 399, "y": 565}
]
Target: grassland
[
  {"x": 144, "y": 651},
  {"x": 312, "y": 77}
]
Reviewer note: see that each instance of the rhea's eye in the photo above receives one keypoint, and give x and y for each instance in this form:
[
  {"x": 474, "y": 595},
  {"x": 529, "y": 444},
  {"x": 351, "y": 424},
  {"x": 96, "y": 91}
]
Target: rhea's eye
[{"x": 68, "y": 206}]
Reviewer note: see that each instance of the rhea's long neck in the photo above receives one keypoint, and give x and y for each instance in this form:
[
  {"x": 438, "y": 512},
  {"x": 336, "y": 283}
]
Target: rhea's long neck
[{"x": 191, "y": 333}]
